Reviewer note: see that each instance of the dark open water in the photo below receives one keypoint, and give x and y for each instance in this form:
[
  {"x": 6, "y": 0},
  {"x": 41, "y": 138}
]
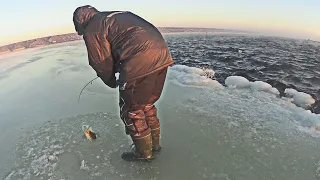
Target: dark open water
[{"x": 283, "y": 63}]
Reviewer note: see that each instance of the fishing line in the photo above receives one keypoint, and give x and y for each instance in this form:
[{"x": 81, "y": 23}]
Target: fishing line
[{"x": 86, "y": 86}]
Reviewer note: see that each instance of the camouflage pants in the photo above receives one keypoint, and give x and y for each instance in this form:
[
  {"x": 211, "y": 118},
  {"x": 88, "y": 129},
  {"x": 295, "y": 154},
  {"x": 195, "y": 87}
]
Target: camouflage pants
[{"x": 137, "y": 98}]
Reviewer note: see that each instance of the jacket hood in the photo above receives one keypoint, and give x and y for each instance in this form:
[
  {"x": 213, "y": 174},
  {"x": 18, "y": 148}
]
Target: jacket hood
[{"x": 82, "y": 16}]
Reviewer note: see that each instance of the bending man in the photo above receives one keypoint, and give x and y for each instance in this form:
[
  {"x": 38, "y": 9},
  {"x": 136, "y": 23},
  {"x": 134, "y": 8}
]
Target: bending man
[{"x": 123, "y": 42}]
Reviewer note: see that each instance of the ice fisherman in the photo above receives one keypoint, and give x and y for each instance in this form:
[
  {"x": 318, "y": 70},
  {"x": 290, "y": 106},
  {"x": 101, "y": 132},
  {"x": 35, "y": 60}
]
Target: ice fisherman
[{"x": 120, "y": 41}]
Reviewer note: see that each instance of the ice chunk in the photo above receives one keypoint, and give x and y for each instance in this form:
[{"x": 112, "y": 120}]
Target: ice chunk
[
  {"x": 260, "y": 86},
  {"x": 274, "y": 91},
  {"x": 263, "y": 86},
  {"x": 193, "y": 70},
  {"x": 199, "y": 81},
  {"x": 186, "y": 69},
  {"x": 84, "y": 165},
  {"x": 290, "y": 92},
  {"x": 52, "y": 158},
  {"x": 237, "y": 81},
  {"x": 303, "y": 100},
  {"x": 194, "y": 76}
]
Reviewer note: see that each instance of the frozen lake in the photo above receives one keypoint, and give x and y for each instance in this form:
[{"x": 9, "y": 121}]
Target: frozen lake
[{"x": 208, "y": 131}]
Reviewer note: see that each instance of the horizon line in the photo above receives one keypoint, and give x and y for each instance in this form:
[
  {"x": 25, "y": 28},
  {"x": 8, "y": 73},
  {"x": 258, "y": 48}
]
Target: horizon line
[{"x": 185, "y": 27}]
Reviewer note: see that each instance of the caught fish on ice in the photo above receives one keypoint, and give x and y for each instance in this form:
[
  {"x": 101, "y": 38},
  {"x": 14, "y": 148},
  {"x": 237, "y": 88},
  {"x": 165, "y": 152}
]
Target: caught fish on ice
[{"x": 87, "y": 130}]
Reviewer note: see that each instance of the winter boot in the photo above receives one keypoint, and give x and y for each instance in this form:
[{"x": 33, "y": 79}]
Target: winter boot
[
  {"x": 155, "y": 133},
  {"x": 142, "y": 150},
  {"x": 154, "y": 124}
]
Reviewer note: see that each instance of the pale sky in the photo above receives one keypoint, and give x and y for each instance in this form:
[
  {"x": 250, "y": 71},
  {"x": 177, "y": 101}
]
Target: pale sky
[{"x": 23, "y": 20}]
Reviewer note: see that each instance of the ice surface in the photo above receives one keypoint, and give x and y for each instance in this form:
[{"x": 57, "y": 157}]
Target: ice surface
[{"x": 208, "y": 131}]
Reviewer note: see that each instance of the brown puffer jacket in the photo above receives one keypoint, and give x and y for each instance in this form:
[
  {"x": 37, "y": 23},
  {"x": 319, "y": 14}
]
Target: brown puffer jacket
[{"x": 121, "y": 42}]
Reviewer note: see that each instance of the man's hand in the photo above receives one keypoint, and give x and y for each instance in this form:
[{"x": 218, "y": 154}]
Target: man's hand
[{"x": 112, "y": 82}]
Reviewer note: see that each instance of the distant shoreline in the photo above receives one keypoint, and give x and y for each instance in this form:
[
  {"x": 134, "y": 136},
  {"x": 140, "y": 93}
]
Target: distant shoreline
[
  {"x": 62, "y": 38},
  {"x": 70, "y": 37}
]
